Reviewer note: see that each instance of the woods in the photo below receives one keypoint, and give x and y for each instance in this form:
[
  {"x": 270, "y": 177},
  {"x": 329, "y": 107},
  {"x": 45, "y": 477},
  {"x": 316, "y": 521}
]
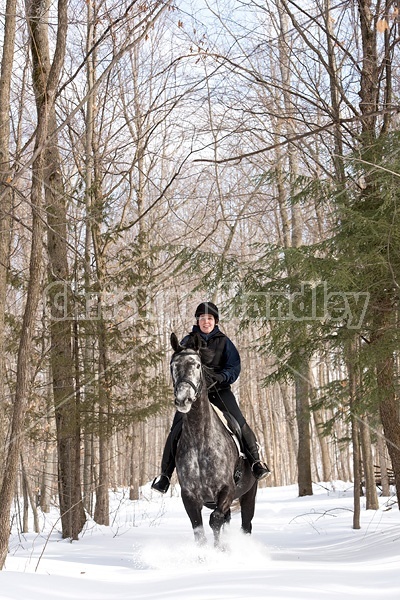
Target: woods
[{"x": 157, "y": 154}]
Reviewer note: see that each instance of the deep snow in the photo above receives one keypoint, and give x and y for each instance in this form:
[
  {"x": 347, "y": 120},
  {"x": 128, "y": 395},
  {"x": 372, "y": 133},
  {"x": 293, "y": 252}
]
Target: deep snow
[{"x": 301, "y": 549}]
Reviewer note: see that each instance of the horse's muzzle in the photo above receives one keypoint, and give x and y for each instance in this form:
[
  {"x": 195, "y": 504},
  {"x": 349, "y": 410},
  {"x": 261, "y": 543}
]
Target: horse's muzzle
[
  {"x": 184, "y": 397},
  {"x": 183, "y": 407}
]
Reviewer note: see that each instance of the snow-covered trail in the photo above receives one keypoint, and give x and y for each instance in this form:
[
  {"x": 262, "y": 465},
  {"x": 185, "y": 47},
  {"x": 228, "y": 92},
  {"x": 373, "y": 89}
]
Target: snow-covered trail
[{"x": 301, "y": 549}]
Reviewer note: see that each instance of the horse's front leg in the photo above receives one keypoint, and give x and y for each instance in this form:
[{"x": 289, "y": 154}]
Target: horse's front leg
[
  {"x": 193, "y": 508},
  {"x": 221, "y": 514},
  {"x": 217, "y": 519}
]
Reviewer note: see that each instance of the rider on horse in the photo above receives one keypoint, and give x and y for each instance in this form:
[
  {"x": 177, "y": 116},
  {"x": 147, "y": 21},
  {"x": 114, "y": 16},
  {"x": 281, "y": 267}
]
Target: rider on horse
[{"x": 226, "y": 369}]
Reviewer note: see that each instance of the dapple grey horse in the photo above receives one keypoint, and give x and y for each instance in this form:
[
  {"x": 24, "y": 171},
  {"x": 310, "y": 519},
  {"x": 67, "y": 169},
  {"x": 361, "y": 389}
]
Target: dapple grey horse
[{"x": 210, "y": 470}]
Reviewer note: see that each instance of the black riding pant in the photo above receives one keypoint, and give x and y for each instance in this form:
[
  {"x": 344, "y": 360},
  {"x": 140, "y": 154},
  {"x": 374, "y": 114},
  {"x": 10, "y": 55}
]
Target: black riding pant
[{"x": 226, "y": 401}]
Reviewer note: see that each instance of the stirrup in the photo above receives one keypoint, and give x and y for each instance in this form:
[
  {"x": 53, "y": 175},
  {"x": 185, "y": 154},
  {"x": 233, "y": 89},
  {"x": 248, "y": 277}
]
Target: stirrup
[
  {"x": 161, "y": 483},
  {"x": 260, "y": 470}
]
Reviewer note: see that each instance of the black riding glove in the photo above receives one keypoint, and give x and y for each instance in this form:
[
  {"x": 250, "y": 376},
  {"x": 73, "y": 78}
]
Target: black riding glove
[{"x": 218, "y": 378}]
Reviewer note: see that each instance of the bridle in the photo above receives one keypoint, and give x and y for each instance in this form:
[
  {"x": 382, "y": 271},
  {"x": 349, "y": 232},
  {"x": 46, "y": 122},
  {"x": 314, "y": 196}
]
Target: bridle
[{"x": 197, "y": 388}]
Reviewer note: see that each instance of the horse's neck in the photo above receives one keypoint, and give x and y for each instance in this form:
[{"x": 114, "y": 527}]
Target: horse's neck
[{"x": 200, "y": 415}]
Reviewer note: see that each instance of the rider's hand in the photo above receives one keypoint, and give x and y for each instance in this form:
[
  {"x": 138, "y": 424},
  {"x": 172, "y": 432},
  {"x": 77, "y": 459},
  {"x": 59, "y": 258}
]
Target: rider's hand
[{"x": 218, "y": 377}]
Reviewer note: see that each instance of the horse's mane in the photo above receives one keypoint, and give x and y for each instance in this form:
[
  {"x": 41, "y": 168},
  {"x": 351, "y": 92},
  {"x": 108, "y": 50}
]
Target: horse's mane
[
  {"x": 208, "y": 375},
  {"x": 196, "y": 342}
]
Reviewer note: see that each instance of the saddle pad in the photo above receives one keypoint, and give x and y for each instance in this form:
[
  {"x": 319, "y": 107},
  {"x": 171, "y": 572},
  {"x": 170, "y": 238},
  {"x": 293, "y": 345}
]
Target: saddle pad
[{"x": 224, "y": 422}]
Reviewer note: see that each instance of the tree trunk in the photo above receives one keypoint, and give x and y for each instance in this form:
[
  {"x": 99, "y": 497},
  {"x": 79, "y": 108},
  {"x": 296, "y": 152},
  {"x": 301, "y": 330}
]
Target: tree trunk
[
  {"x": 389, "y": 411},
  {"x": 5, "y": 198},
  {"x": 25, "y": 350},
  {"x": 88, "y": 477},
  {"x": 384, "y": 300},
  {"x": 302, "y": 386},
  {"x": 45, "y": 80},
  {"x": 102, "y": 508},
  {"x": 382, "y": 461},
  {"x": 47, "y": 476},
  {"x": 350, "y": 353},
  {"x": 327, "y": 474},
  {"x": 356, "y": 471},
  {"x": 368, "y": 464},
  {"x": 134, "y": 463},
  {"x": 89, "y": 375},
  {"x": 25, "y": 507},
  {"x": 28, "y": 499}
]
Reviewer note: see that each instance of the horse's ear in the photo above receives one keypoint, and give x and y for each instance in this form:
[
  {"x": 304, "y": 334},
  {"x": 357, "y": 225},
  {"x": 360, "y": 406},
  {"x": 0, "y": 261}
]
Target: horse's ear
[
  {"x": 174, "y": 342},
  {"x": 193, "y": 341},
  {"x": 197, "y": 342}
]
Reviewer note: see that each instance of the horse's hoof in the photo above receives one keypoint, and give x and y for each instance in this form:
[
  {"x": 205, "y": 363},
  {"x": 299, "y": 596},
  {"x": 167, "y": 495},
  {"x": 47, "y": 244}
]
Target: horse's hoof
[
  {"x": 200, "y": 540},
  {"x": 245, "y": 531},
  {"x": 201, "y": 543},
  {"x": 221, "y": 547}
]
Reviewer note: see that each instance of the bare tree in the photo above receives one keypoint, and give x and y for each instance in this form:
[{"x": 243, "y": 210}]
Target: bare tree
[
  {"x": 5, "y": 197},
  {"x": 45, "y": 80}
]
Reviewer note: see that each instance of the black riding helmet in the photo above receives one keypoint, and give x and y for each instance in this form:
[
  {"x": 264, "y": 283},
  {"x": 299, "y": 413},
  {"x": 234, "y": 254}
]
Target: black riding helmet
[{"x": 207, "y": 308}]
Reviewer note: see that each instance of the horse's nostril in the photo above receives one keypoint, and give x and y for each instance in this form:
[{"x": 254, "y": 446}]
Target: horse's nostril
[
  {"x": 182, "y": 399},
  {"x": 183, "y": 390},
  {"x": 182, "y": 406}
]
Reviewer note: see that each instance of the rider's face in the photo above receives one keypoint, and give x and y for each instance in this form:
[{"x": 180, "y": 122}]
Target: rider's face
[{"x": 206, "y": 323}]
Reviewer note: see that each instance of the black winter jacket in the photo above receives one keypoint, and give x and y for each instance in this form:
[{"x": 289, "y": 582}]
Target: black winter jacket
[{"x": 226, "y": 360}]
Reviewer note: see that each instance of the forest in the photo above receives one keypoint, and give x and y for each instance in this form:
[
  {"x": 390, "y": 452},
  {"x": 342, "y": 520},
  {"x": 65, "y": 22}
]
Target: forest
[{"x": 156, "y": 154}]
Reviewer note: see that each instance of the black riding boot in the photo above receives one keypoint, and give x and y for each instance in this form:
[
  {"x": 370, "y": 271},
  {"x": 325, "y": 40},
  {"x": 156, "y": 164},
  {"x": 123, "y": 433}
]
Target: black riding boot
[
  {"x": 161, "y": 482},
  {"x": 260, "y": 469}
]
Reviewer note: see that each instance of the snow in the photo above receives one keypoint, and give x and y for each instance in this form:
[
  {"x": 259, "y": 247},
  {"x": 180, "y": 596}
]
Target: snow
[{"x": 300, "y": 549}]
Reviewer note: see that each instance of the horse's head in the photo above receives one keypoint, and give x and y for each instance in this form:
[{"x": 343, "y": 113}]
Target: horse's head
[{"x": 186, "y": 371}]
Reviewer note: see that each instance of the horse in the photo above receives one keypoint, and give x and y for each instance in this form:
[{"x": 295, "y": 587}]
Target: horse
[{"x": 211, "y": 471}]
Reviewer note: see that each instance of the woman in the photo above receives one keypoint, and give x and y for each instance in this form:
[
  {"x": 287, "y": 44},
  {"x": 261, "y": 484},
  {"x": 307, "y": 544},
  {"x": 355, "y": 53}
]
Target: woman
[{"x": 226, "y": 369}]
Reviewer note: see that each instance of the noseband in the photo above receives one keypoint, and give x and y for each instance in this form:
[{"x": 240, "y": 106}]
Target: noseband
[{"x": 197, "y": 389}]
